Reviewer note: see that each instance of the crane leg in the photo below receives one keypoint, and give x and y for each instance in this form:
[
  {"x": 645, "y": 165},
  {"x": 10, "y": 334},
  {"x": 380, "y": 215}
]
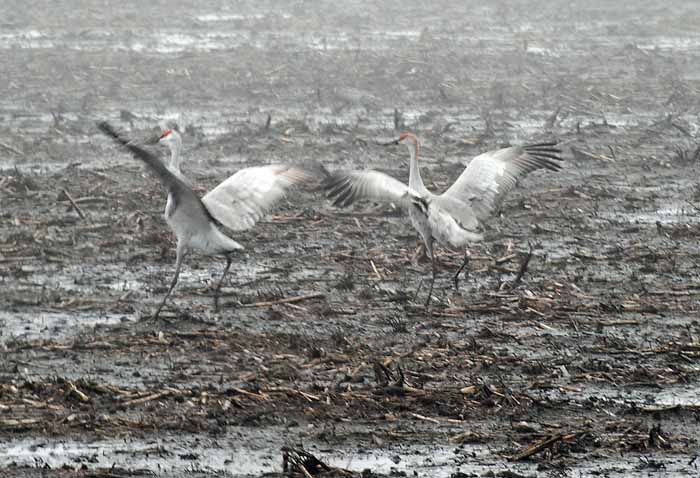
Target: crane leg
[
  {"x": 181, "y": 252},
  {"x": 461, "y": 268},
  {"x": 218, "y": 287},
  {"x": 419, "y": 254},
  {"x": 523, "y": 268},
  {"x": 432, "y": 280}
]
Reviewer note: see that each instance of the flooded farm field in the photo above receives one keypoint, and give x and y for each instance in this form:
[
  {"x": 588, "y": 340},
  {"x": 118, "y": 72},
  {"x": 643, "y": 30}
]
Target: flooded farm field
[{"x": 323, "y": 358}]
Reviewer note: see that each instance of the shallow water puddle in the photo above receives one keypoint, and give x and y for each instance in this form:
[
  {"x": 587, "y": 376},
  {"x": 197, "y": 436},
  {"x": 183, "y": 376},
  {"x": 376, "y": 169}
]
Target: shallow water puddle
[
  {"x": 135, "y": 454},
  {"x": 186, "y": 454},
  {"x": 54, "y": 325},
  {"x": 677, "y": 396},
  {"x": 189, "y": 453},
  {"x": 682, "y": 396},
  {"x": 673, "y": 213}
]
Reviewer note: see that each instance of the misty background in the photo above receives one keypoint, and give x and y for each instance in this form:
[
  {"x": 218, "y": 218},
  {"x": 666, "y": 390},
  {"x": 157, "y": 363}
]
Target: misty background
[{"x": 462, "y": 67}]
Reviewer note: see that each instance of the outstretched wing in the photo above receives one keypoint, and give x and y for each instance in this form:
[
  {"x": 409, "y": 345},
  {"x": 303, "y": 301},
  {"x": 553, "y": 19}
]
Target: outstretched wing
[
  {"x": 491, "y": 175},
  {"x": 346, "y": 187},
  {"x": 169, "y": 180},
  {"x": 244, "y": 198}
]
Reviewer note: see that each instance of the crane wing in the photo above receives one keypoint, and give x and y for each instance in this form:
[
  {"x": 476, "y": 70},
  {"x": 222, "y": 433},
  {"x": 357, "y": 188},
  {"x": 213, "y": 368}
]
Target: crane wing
[
  {"x": 491, "y": 175},
  {"x": 244, "y": 198},
  {"x": 345, "y": 187},
  {"x": 172, "y": 182}
]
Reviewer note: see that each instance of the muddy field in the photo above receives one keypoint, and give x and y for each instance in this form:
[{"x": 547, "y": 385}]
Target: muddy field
[{"x": 589, "y": 366}]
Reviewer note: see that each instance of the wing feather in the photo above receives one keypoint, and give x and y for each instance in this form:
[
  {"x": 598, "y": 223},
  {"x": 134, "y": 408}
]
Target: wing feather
[
  {"x": 249, "y": 194},
  {"x": 490, "y": 176},
  {"x": 345, "y": 187},
  {"x": 173, "y": 183}
]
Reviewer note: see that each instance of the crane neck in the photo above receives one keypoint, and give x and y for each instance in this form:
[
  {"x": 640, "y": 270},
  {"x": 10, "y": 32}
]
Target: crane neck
[
  {"x": 175, "y": 150},
  {"x": 174, "y": 143},
  {"x": 415, "y": 181}
]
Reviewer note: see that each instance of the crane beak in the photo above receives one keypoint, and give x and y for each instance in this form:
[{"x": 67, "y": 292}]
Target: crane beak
[{"x": 390, "y": 143}]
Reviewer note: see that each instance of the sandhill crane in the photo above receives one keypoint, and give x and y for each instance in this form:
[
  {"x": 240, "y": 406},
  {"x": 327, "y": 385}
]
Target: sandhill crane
[
  {"x": 237, "y": 203},
  {"x": 455, "y": 217}
]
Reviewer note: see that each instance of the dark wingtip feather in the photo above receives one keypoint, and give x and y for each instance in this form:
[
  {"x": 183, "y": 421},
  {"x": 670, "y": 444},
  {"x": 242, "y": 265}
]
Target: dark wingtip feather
[
  {"x": 344, "y": 195},
  {"x": 544, "y": 147},
  {"x": 547, "y": 155},
  {"x": 546, "y": 150},
  {"x": 540, "y": 154},
  {"x": 108, "y": 129},
  {"x": 151, "y": 160},
  {"x": 549, "y": 144},
  {"x": 112, "y": 132},
  {"x": 549, "y": 164},
  {"x": 332, "y": 182},
  {"x": 340, "y": 189}
]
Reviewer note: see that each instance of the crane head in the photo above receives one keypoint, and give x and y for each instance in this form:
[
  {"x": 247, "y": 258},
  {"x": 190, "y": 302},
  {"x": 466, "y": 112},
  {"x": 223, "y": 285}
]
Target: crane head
[
  {"x": 408, "y": 138},
  {"x": 170, "y": 138},
  {"x": 165, "y": 136},
  {"x": 405, "y": 138}
]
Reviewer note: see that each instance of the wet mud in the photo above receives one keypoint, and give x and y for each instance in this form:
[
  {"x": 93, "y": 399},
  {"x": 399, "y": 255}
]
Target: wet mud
[{"x": 588, "y": 366}]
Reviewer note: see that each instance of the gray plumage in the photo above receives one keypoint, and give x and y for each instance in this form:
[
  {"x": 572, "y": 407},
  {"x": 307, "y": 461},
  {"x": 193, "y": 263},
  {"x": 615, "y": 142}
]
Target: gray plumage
[
  {"x": 455, "y": 217},
  {"x": 238, "y": 202}
]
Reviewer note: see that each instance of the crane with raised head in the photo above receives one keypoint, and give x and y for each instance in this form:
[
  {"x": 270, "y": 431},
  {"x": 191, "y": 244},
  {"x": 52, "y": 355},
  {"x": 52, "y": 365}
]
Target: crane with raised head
[
  {"x": 454, "y": 218},
  {"x": 237, "y": 203}
]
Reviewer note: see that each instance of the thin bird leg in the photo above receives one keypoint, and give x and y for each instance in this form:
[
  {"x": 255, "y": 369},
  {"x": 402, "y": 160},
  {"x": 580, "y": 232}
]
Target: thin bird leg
[
  {"x": 218, "y": 287},
  {"x": 464, "y": 264},
  {"x": 181, "y": 253},
  {"x": 418, "y": 254},
  {"x": 420, "y": 286},
  {"x": 523, "y": 268},
  {"x": 432, "y": 280}
]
